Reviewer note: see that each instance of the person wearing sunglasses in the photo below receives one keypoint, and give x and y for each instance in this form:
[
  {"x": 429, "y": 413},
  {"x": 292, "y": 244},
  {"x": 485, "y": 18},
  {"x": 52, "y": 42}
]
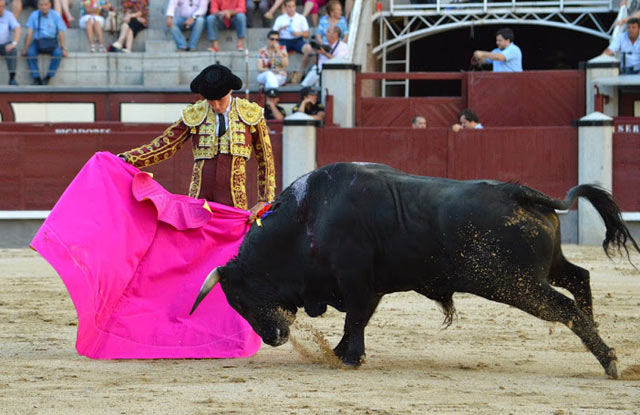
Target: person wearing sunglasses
[{"x": 272, "y": 63}]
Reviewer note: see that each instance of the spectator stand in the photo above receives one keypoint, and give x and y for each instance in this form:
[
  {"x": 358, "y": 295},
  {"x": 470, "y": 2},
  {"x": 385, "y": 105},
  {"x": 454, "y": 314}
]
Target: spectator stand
[
  {"x": 400, "y": 22},
  {"x": 154, "y": 61}
]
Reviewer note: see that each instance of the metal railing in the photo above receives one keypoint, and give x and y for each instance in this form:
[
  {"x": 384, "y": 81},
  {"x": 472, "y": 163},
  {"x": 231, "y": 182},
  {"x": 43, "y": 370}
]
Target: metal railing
[{"x": 400, "y": 7}]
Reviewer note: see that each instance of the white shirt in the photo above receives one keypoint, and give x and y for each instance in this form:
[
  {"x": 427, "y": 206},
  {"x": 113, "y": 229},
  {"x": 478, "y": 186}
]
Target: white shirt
[
  {"x": 8, "y": 24},
  {"x": 187, "y": 8},
  {"x": 226, "y": 117},
  {"x": 297, "y": 23},
  {"x": 631, "y": 51},
  {"x": 341, "y": 50}
]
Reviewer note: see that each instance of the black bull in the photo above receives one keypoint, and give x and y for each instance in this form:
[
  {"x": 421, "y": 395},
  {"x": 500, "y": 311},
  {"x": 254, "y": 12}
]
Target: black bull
[{"x": 349, "y": 233}]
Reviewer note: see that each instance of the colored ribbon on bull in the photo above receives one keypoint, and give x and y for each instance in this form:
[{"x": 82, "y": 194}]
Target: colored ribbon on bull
[{"x": 263, "y": 213}]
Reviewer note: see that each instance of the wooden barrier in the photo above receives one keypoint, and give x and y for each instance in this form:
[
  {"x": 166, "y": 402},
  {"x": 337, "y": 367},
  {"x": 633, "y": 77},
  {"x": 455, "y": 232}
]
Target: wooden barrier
[
  {"x": 530, "y": 98},
  {"x": 40, "y": 160},
  {"x": 545, "y": 158}
]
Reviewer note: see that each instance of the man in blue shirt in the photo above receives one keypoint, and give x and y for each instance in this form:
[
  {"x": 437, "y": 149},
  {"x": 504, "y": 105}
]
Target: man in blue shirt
[
  {"x": 507, "y": 57},
  {"x": 629, "y": 47},
  {"x": 8, "y": 24},
  {"x": 45, "y": 34}
]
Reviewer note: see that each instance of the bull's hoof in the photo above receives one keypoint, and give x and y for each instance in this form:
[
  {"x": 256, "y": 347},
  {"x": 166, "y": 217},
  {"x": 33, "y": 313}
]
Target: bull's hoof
[
  {"x": 340, "y": 350},
  {"x": 351, "y": 359},
  {"x": 612, "y": 370}
]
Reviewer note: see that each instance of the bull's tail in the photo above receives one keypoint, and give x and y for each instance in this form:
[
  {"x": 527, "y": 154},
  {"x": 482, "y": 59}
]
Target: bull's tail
[{"x": 617, "y": 233}]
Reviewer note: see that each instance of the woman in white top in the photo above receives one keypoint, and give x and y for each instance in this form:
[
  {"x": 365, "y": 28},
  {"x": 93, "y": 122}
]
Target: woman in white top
[{"x": 92, "y": 21}]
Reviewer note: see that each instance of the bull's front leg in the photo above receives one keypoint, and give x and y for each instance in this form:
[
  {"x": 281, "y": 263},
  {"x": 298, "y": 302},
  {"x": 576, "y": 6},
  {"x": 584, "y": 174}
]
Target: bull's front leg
[{"x": 351, "y": 348}]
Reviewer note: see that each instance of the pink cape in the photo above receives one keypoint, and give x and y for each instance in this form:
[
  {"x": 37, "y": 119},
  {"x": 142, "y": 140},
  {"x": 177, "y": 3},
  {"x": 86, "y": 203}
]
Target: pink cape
[{"x": 133, "y": 258}]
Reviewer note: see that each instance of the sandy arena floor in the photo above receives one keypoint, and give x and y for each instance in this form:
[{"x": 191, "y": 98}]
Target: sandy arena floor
[{"x": 493, "y": 360}]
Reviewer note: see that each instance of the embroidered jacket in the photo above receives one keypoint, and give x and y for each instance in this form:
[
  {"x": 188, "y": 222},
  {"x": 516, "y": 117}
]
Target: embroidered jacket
[{"x": 247, "y": 130}]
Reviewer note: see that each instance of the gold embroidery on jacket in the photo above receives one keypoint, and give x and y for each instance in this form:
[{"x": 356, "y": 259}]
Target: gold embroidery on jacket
[
  {"x": 250, "y": 112},
  {"x": 196, "y": 179},
  {"x": 266, "y": 167},
  {"x": 160, "y": 149},
  {"x": 194, "y": 114},
  {"x": 239, "y": 182}
]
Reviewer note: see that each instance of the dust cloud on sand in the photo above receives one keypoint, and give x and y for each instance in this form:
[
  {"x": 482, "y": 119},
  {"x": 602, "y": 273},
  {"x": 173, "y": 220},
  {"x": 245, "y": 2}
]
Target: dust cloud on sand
[{"x": 494, "y": 359}]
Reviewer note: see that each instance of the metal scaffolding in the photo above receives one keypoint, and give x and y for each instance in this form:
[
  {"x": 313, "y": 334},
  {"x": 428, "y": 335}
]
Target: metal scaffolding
[{"x": 404, "y": 23}]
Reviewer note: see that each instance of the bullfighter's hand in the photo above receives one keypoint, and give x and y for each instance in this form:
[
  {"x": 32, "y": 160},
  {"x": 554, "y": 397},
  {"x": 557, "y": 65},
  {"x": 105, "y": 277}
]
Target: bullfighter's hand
[{"x": 254, "y": 212}]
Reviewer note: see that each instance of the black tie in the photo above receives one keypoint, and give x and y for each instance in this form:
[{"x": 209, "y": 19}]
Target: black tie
[{"x": 222, "y": 126}]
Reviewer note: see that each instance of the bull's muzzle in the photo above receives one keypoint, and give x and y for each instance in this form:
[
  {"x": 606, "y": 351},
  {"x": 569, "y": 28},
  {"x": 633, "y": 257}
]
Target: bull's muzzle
[{"x": 209, "y": 283}]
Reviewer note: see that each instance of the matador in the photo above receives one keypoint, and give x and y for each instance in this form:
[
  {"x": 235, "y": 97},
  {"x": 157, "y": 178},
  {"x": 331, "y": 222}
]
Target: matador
[{"x": 224, "y": 130}]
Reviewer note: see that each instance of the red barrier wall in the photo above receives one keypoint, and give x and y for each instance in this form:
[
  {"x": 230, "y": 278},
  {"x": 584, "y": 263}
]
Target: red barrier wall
[
  {"x": 40, "y": 160},
  {"x": 422, "y": 152},
  {"x": 545, "y": 158},
  {"x": 530, "y": 98},
  {"x": 626, "y": 171},
  {"x": 393, "y": 111}
]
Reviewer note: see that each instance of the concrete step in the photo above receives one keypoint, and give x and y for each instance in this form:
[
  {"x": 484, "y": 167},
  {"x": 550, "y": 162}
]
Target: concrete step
[{"x": 138, "y": 68}]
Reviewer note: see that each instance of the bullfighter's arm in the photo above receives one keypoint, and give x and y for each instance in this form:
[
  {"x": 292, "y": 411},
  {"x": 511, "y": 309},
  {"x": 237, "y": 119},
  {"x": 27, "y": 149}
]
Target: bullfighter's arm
[{"x": 160, "y": 149}]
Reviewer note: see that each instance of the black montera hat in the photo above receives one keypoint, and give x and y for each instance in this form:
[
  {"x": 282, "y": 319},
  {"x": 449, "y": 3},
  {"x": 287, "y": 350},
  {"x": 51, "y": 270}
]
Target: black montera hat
[{"x": 215, "y": 81}]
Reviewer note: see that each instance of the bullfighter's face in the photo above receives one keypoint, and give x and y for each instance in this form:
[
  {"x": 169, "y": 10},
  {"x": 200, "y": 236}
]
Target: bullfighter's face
[{"x": 256, "y": 301}]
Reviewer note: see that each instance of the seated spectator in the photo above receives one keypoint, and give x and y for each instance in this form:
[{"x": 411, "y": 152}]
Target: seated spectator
[
  {"x": 8, "y": 43},
  {"x": 333, "y": 17},
  {"x": 223, "y": 14},
  {"x": 468, "y": 121},
  {"x": 507, "y": 57},
  {"x": 135, "y": 19},
  {"x": 272, "y": 63},
  {"x": 335, "y": 49},
  {"x": 309, "y": 104},
  {"x": 419, "y": 121},
  {"x": 186, "y": 15},
  {"x": 45, "y": 34},
  {"x": 18, "y": 5},
  {"x": 63, "y": 7},
  {"x": 273, "y": 111},
  {"x": 312, "y": 6},
  {"x": 92, "y": 21},
  {"x": 258, "y": 6},
  {"x": 269, "y": 15},
  {"x": 629, "y": 47},
  {"x": 294, "y": 29}
]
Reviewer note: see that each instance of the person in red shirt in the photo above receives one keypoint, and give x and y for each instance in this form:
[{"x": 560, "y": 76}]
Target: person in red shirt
[{"x": 223, "y": 14}]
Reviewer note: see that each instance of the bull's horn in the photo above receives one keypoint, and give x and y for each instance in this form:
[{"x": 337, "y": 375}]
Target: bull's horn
[{"x": 209, "y": 283}]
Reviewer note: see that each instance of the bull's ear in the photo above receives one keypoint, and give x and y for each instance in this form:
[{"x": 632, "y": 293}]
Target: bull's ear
[{"x": 210, "y": 282}]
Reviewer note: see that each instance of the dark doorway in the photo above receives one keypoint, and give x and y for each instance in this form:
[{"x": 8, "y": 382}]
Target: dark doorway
[{"x": 542, "y": 48}]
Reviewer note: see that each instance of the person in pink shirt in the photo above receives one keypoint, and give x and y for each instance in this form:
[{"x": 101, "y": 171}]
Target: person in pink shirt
[
  {"x": 183, "y": 15},
  {"x": 223, "y": 14}
]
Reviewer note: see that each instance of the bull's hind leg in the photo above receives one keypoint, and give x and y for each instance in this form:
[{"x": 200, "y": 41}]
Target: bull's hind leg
[
  {"x": 542, "y": 301},
  {"x": 577, "y": 281}
]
